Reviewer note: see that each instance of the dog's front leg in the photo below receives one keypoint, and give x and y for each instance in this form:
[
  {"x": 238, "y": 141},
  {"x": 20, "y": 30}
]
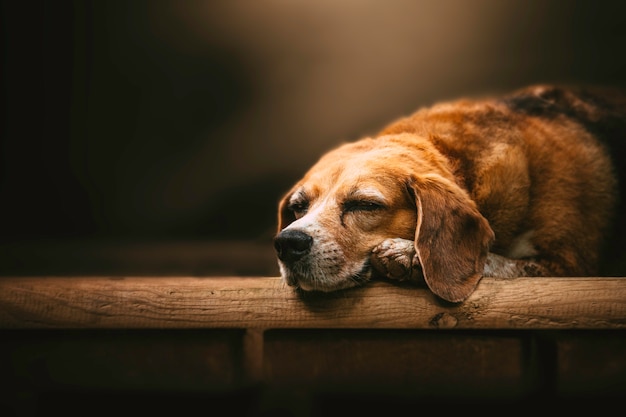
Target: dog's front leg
[{"x": 396, "y": 259}]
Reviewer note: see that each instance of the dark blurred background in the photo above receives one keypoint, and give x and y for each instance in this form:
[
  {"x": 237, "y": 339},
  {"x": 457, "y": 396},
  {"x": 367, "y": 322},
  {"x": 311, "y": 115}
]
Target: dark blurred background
[{"x": 185, "y": 121}]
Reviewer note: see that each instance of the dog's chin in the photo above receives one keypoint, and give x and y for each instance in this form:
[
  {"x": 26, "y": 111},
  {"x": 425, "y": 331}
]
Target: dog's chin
[
  {"x": 312, "y": 286},
  {"x": 311, "y": 280}
]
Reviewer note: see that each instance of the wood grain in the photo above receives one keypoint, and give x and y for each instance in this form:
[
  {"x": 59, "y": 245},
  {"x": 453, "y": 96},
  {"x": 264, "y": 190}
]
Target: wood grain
[{"x": 263, "y": 303}]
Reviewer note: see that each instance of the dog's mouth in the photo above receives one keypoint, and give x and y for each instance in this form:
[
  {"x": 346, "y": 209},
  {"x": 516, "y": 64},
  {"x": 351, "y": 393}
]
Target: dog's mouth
[{"x": 306, "y": 278}]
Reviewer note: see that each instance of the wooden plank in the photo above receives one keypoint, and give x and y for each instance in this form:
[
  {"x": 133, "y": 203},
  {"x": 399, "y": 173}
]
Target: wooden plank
[
  {"x": 160, "y": 360},
  {"x": 259, "y": 302},
  {"x": 425, "y": 362},
  {"x": 590, "y": 363}
]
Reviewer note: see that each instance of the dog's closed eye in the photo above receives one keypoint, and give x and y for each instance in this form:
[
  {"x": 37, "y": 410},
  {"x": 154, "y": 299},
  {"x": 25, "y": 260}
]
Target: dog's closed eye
[
  {"x": 298, "y": 204},
  {"x": 366, "y": 199},
  {"x": 298, "y": 208},
  {"x": 362, "y": 205}
]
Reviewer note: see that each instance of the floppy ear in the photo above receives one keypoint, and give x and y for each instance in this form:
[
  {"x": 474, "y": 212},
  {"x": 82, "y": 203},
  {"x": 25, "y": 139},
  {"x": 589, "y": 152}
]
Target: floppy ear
[{"x": 452, "y": 238}]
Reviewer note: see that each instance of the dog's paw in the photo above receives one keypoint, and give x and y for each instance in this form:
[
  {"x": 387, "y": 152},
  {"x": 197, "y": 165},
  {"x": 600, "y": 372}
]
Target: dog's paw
[{"x": 396, "y": 259}]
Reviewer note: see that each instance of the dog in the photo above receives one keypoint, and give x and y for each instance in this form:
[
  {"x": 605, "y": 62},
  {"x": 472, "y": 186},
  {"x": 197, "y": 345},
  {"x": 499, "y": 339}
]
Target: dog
[{"x": 510, "y": 186}]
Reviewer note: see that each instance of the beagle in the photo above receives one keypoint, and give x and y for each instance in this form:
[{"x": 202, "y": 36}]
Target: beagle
[{"x": 520, "y": 185}]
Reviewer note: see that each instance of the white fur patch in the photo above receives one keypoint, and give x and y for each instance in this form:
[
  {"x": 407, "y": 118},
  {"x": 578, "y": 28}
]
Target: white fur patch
[{"x": 522, "y": 246}]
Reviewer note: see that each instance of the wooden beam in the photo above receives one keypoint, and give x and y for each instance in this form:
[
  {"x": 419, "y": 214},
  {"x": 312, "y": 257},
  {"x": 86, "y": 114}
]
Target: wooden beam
[{"x": 263, "y": 303}]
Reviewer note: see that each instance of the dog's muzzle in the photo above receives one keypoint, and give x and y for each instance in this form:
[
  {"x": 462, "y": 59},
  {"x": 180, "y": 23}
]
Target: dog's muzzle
[
  {"x": 292, "y": 245},
  {"x": 312, "y": 264}
]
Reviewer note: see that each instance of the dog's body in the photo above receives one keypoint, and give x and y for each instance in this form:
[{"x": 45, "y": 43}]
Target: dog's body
[{"x": 517, "y": 186}]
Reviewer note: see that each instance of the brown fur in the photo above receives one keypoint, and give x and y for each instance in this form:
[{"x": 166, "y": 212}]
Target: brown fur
[{"x": 515, "y": 186}]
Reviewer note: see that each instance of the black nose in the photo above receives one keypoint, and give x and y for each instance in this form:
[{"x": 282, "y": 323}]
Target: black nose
[{"x": 292, "y": 245}]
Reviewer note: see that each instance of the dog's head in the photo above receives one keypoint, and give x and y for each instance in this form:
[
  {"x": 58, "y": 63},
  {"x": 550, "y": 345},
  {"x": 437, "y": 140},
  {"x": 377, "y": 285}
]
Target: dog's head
[{"x": 364, "y": 192}]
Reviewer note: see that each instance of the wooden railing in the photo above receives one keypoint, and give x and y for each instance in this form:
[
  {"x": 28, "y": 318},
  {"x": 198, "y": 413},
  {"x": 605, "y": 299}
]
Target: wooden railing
[
  {"x": 560, "y": 339},
  {"x": 256, "y": 302}
]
